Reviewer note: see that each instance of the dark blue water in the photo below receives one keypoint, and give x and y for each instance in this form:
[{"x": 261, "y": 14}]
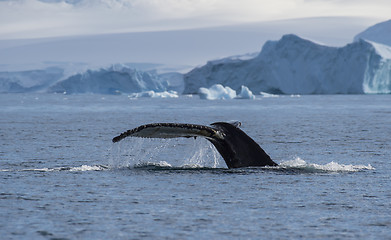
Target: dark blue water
[{"x": 62, "y": 178}]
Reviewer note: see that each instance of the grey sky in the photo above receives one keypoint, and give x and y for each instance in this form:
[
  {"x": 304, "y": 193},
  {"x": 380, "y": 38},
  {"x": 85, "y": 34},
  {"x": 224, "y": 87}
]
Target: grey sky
[{"x": 44, "y": 18}]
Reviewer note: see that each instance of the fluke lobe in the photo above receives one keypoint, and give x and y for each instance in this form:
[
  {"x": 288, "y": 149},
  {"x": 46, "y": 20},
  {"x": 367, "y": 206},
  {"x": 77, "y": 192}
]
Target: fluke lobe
[{"x": 234, "y": 145}]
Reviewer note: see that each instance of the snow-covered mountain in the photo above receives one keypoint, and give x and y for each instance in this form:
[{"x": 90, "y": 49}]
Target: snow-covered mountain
[
  {"x": 294, "y": 65},
  {"x": 380, "y": 33}
]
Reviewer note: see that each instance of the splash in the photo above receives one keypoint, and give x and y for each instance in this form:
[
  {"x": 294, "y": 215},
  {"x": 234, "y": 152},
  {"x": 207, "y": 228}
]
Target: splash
[
  {"x": 299, "y": 163},
  {"x": 186, "y": 153},
  {"x": 204, "y": 155}
]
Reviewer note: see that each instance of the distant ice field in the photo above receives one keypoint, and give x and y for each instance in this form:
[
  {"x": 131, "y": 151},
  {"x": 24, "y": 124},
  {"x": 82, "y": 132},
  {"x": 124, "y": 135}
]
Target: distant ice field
[{"x": 62, "y": 177}]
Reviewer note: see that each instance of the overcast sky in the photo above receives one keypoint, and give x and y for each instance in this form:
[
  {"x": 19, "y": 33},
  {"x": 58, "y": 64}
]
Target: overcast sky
[{"x": 45, "y": 18}]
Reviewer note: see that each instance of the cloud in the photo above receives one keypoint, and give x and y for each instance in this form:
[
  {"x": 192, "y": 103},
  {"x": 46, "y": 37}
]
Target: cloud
[{"x": 44, "y": 18}]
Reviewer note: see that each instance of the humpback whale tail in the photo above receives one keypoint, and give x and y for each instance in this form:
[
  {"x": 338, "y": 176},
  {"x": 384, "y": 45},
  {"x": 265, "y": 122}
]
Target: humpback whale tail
[{"x": 234, "y": 145}]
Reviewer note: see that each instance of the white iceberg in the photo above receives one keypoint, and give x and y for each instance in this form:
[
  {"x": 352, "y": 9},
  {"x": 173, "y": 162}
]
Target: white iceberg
[
  {"x": 220, "y": 92},
  {"x": 215, "y": 92},
  {"x": 245, "y": 93}
]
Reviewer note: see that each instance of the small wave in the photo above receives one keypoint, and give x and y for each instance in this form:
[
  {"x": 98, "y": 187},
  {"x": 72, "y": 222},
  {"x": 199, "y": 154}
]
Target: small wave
[{"x": 299, "y": 163}]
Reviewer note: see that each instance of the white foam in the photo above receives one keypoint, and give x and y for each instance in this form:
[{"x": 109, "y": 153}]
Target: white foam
[
  {"x": 329, "y": 167},
  {"x": 85, "y": 168},
  {"x": 41, "y": 169}
]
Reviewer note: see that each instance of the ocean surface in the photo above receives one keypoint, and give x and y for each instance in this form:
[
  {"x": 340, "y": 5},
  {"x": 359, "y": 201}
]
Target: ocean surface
[{"x": 61, "y": 177}]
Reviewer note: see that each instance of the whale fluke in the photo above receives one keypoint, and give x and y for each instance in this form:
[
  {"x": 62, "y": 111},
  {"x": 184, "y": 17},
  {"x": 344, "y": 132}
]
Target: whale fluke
[
  {"x": 234, "y": 145},
  {"x": 170, "y": 130}
]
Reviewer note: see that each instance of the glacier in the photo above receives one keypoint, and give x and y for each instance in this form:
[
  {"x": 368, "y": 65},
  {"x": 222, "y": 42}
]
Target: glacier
[{"x": 293, "y": 65}]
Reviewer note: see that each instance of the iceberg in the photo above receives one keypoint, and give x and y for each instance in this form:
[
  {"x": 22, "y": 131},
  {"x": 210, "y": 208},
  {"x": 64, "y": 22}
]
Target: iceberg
[
  {"x": 219, "y": 92},
  {"x": 380, "y": 33},
  {"x": 116, "y": 79},
  {"x": 215, "y": 92},
  {"x": 294, "y": 65},
  {"x": 245, "y": 93},
  {"x": 113, "y": 80}
]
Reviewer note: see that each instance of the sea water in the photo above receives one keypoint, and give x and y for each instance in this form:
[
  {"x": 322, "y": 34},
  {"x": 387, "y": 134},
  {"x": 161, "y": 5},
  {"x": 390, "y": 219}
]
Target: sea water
[{"x": 62, "y": 177}]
